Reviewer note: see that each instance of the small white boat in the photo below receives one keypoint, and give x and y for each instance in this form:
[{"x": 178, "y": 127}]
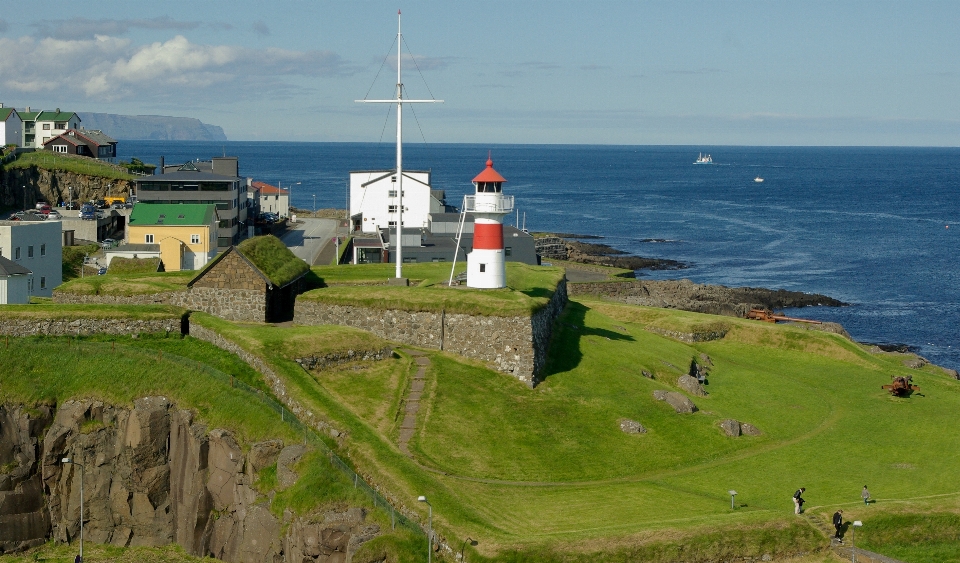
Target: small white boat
[
  {"x": 704, "y": 159},
  {"x": 758, "y": 179}
]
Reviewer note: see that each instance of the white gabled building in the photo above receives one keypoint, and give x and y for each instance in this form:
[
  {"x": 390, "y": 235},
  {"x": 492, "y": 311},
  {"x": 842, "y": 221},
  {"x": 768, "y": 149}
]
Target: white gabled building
[
  {"x": 38, "y": 247},
  {"x": 11, "y": 126},
  {"x": 15, "y": 283},
  {"x": 373, "y": 200}
]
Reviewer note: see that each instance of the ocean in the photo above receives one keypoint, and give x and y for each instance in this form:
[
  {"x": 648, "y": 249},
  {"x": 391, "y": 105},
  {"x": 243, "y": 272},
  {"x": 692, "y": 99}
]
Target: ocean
[{"x": 875, "y": 227}]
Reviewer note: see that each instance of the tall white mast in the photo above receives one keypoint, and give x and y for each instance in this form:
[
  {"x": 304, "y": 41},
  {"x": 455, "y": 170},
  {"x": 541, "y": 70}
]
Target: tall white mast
[{"x": 399, "y": 101}]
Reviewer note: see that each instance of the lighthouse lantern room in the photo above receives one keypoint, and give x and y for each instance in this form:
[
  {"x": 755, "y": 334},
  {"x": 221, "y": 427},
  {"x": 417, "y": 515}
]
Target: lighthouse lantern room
[{"x": 485, "y": 264}]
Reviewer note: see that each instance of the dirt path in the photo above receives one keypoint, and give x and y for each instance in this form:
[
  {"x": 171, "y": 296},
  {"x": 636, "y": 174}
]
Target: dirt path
[{"x": 412, "y": 401}]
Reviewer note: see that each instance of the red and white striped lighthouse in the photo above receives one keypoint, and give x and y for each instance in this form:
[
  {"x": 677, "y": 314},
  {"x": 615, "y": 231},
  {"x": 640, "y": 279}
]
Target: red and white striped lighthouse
[{"x": 485, "y": 265}]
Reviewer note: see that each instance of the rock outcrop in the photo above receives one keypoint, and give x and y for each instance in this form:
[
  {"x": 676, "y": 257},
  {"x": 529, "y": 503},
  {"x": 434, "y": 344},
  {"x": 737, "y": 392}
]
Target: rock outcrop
[
  {"x": 151, "y": 476},
  {"x": 680, "y": 403},
  {"x": 631, "y": 426},
  {"x": 691, "y": 385},
  {"x": 700, "y": 298}
]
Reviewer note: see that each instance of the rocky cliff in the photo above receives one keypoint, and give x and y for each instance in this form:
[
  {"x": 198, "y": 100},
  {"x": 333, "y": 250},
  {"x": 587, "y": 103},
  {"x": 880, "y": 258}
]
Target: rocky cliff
[
  {"x": 52, "y": 186},
  {"x": 153, "y": 475},
  {"x": 153, "y": 127}
]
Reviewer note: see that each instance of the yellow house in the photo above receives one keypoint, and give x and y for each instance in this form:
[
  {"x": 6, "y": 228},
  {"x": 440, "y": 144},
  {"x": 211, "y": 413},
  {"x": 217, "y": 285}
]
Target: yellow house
[{"x": 186, "y": 233}]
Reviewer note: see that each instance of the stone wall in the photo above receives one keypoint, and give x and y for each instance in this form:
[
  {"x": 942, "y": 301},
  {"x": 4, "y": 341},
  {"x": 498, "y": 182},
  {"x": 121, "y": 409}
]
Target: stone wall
[
  {"x": 74, "y": 327},
  {"x": 230, "y": 304},
  {"x": 514, "y": 345},
  {"x": 232, "y": 272}
]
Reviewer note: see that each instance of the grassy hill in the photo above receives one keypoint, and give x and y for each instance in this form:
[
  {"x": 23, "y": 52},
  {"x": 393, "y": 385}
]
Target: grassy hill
[{"x": 546, "y": 474}]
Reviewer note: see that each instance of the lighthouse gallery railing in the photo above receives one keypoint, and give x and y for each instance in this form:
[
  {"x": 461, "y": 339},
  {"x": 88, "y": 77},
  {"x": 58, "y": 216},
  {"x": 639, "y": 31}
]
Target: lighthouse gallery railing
[{"x": 501, "y": 204}]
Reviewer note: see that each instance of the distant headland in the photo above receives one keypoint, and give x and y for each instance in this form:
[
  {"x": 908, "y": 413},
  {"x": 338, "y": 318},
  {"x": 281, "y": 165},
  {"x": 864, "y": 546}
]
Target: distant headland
[{"x": 152, "y": 127}]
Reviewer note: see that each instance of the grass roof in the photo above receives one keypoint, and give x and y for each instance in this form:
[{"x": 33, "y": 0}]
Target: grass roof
[{"x": 274, "y": 259}]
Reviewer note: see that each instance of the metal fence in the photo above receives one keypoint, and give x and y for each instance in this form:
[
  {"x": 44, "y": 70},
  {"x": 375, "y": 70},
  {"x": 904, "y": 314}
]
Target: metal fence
[{"x": 310, "y": 436}]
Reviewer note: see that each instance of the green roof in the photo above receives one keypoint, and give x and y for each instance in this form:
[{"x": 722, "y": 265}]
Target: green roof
[
  {"x": 172, "y": 214},
  {"x": 5, "y": 113},
  {"x": 29, "y": 115},
  {"x": 55, "y": 115},
  {"x": 273, "y": 259}
]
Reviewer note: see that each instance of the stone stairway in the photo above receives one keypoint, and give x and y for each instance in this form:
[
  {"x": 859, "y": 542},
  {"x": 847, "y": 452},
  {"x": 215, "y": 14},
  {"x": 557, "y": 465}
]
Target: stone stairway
[
  {"x": 843, "y": 549},
  {"x": 412, "y": 400}
]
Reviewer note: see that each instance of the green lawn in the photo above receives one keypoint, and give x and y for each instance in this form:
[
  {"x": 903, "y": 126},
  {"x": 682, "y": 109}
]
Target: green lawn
[
  {"x": 86, "y": 166},
  {"x": 528, "y": 289},
  {"x": 521, "y": 468},
  {"x": 128, "y": 284}
]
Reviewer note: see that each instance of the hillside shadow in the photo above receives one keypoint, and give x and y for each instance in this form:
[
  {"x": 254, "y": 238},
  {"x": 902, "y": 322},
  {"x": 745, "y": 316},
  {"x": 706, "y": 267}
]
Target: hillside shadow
[{"x": 566, "y": 344}]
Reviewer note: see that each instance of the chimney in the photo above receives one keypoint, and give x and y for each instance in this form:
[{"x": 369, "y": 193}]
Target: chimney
[
  {"x": 28, "y": 109},
  {"x": 161, "y": 165},
  {"x": 1, "y": 105},
  {"x": 58, "y": 110}
]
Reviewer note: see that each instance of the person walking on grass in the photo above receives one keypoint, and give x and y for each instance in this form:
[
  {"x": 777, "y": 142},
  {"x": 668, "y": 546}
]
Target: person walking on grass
[
  {"x": 798, "y": 500},
  {"x": 865, "y": 495},
  {"x": 838, "y": 524}
]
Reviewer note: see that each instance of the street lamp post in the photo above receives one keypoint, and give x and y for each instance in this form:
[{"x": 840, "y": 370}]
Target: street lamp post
[
  {"x": 70, "y": 461},
  {"x": 429, "y": 527},
  {"x": 853, "y": 538},
  {"x": 314, "y": 205},
  {"x": 464, "y": 546},
  {"x": 70, "y": 198}
]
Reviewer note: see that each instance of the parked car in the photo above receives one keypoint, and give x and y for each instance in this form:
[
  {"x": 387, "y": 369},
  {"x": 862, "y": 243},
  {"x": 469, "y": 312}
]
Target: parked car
[
  {"x": 108, "y": 243},
  {"x": 45, "y": 209},
  {"x": 54, "y": 214},
  {"x": 40, "y": 204},
  {"x": 88, "y": 213},
  {"x": 100, "y": 203},
  {"x": 101, "y": 271},
  {"x": 117, "y": 205},
  {"x": 72, "y": 206}
]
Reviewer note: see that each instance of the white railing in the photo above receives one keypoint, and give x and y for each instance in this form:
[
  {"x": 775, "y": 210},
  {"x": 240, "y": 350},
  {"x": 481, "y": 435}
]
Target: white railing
[{"x": 488, "y": 203}]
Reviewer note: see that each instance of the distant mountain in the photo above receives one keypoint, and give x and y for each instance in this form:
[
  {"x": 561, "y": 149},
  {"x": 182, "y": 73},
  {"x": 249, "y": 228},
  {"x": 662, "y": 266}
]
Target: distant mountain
[{"x": 152, "y": 127}]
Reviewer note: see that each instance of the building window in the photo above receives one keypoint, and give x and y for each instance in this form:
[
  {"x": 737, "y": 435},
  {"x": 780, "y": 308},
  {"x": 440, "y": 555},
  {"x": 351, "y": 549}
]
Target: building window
[
  {"x": 30, "y": 251},
  {"x": 392, "y": 209},
  {"x": 392, "y": 193},
  {"x": 46, "y": 126},
  {"x": 507, "y": 251},
  {"x": 148, "y": 239},
  {"x": 483, "y": 268},
  {"x": 17, "y": 254},
  {"x": 43, "y": 282},
  {"x": 60, "y": 148},
  {"x": 224, "y": 241},
  {"x": 194, "y": 239},
  {"x": 60, "y": 125},
  {"x": 391, "y": 224},
  {"x": 43, "y": 250}
]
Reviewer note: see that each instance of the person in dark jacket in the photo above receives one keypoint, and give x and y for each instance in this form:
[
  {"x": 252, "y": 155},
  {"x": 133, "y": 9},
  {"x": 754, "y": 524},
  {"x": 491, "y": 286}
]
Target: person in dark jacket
[
  {"x": 838, "y": 523},
  {"x": 798, "y": 500}
]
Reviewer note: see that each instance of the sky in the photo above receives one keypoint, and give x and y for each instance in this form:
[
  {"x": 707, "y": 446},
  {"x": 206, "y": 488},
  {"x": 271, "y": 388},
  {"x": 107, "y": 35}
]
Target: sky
[{"x": 628, "y": 72}]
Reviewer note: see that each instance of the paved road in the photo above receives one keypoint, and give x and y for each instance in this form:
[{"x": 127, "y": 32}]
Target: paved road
[{"x": 308, "y": 236}]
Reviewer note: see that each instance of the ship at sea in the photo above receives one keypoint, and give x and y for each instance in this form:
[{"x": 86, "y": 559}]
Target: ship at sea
[{"x": 704, "y": 159}]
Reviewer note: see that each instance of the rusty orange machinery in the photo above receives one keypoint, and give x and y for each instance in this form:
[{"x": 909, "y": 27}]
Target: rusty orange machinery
[
  {"x": 901, "y": 386},
  {"x": 766, "y": 315}
]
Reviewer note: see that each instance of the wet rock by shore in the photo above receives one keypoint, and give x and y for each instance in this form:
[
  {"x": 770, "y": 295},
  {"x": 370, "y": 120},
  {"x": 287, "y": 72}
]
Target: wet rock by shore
[{"x": 563, "y": 246}]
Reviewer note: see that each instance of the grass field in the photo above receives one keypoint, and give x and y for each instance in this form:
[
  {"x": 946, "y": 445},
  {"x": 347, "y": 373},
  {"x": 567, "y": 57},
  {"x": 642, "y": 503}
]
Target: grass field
[
  {"x": 528, "y": 289},
  {"x": 545, "y": 474},
  {"x": 70, "y": 163},
  {"x": 128, "y": 284},
  {"x": 534, "y": 467}
]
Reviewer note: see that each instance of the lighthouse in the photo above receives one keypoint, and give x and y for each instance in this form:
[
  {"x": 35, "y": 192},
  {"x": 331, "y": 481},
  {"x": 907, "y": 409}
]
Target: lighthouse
[{"x": 485, "y": 265}]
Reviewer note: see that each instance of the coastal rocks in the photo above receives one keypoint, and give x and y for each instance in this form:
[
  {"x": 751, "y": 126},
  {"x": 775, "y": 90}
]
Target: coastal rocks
[
  {"x": 689, "y": 296},
  {"x": 41, "y": 184},
  {"x": 951, "y": 373},
  {"x": 691, "y": 385},
  {"x": 678, "y": 401},
  {"x": 631, "y": 426},
  {"x": 915, "y": 363}
]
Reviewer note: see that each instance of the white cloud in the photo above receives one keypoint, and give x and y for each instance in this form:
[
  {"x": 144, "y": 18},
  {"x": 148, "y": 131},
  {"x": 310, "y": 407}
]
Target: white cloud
[
  {"x": 83, "y": 28},
  {"x": 109, "y": 68}
]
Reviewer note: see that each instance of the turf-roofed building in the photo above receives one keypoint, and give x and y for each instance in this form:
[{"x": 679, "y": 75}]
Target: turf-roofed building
[{"x": 256, "y": 280}]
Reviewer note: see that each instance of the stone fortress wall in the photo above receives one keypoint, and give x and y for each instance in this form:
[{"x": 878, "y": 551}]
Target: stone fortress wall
[{"x": 514, "y": 345}]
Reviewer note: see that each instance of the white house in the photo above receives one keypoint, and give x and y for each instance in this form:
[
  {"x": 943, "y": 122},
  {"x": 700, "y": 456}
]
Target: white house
[
  {"x": 374, "y": 202},
  {"x": 15, "y": 282},
  {"x": 273, "y": 199},
  {"x": 11, "y": 126},
  {"x": 37, "y": 246}
]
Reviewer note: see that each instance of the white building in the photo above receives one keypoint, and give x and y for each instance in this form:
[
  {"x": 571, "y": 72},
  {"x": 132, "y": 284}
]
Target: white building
[
  {"x": 273, "y": 199},
  {"x": 37, "y": 246},
  {"x": 15, "y": 283},
  {"x": 11, "y": 126},
  {"x": 374, "y": 201}
]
